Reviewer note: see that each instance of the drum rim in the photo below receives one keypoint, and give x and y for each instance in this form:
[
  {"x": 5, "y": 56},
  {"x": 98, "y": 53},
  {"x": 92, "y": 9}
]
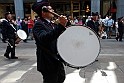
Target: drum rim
[{"x": 78, "y": 67}]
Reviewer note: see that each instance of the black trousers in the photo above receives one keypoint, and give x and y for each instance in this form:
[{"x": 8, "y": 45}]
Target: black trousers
[
  {"x": 57, "y": 77},
  {"x": 10, "y": 49},
  {"x": 120, "y": 34}
]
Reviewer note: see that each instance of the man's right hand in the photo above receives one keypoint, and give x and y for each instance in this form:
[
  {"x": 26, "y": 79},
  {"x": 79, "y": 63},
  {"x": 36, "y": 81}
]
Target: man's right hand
[{"x": 62, "y": 20}]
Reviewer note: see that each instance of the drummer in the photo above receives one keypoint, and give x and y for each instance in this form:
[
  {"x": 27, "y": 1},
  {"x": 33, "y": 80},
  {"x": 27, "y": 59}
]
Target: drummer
[
  {"x": 46, "y": 34},
  {"x": 8, "y": 33},
  {"x": 94, "y": 23}
]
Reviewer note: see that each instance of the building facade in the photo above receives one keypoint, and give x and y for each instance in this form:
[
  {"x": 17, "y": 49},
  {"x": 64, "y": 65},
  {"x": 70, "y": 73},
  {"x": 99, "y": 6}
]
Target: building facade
[{"x": 22, "y": 8}]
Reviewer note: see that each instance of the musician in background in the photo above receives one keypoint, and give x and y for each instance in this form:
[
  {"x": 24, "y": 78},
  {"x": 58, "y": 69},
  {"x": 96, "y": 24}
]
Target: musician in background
[
  {"x": 8, "y": 32},
  {"x": 46, "y": 33},
  {"x": 94, "y": 23},
  {"x": 120, "y": 29}
]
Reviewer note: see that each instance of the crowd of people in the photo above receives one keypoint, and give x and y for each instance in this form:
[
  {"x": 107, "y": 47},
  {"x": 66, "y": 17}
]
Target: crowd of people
[{"x": 104, "y": 27}]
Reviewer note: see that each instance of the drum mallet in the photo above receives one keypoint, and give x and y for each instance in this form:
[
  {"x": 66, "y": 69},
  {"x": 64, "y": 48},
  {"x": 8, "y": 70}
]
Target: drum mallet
[{"x": 9, "y": 44}]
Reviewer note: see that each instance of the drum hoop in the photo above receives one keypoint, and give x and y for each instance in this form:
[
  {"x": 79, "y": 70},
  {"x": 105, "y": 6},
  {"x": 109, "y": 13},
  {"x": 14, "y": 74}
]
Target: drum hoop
[{"x": 78, "y": 67}]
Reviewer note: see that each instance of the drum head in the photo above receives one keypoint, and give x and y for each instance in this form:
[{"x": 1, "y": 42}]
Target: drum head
[
  {"x": 78, "y": 46},
  {"x": 22, "y": 35}
]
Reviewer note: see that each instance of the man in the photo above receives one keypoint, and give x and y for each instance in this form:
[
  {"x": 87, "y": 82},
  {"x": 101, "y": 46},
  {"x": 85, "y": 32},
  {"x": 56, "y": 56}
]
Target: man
[
  {"x": 19, "y": 23},
  {"x": 8, "y": 32},
  {"x": 30, "y": 27},
  {"x": 110, "y": 24},
  {"x": 120, "y": 29},
  {"x": 93, "y": 23},
  {"x": 46, "y": 34},
  {"x": 69, "y": 21}
]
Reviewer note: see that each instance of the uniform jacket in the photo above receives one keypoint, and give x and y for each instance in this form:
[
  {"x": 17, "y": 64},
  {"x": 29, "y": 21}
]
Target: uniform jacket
[
  {"x": 93, "y": 25},
  {"x": 7, "y": 30},
  {"x": 46, "y": 36}
]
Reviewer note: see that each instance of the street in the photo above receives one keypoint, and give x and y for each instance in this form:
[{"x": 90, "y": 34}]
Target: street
[{"x": 108, "y": 69}]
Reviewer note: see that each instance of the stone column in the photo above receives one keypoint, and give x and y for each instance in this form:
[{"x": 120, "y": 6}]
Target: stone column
[
  {"x": 95, "y": 6},
  {"x": 39, "y": 0},
  {"x": 19, "y": 9},
  {"x": 120, "y": 8}
]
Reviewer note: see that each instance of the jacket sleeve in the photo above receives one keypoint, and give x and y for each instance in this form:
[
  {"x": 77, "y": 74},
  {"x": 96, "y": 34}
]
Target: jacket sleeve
[
  {"x": 42, "y": 33},
  {"x": 4, "y": 30}
]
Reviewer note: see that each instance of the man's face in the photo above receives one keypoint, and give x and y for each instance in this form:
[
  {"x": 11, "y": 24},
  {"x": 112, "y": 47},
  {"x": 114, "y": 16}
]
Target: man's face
[
  {"x": 9, "y": 16},
  {"x": 69, "y": 17},
  {"x": 29, "y": 17},
  {"x": 95, "y": 17},
  {"x": 48, "y": 15}
]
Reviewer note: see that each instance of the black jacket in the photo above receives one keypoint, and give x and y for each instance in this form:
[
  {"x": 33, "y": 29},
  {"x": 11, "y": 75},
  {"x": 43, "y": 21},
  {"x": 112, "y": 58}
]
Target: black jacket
[
  {"x": 93, "y": 25},
  {"x": 24, "y": 27},
  {"x": 120, "y": 26},
  {"x": 46, "y": 36},
  {"x": 7, "y": 30}
]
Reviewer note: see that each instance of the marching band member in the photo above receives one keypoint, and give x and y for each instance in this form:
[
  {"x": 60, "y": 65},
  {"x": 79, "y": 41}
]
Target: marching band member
[
  {"x": 8, "y": 32},
  {"x": 46, "y": 34}
]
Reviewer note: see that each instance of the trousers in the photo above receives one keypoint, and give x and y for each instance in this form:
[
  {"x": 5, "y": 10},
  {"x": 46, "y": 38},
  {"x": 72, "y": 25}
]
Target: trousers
[
  {"x": 57, "y": 77},
  {"x": 10, "y": 49}
]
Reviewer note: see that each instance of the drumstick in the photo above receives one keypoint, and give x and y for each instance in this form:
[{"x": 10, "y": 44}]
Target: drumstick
[{"x": 9, "y": 44}]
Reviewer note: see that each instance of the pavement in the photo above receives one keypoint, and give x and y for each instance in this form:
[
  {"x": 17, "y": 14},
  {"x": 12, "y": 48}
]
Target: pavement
[{"x": 108, "y": 69}]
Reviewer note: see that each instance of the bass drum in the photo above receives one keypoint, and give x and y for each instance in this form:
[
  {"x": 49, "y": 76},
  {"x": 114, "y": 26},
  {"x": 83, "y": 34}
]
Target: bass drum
[
  {"x": 20, "y": 35},
  {"x": 78, "y": 46}
]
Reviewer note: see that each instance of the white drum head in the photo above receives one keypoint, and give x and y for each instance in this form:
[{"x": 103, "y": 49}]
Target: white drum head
[
  {"x": 21, "y": 34},
  {"x": 78, "y": 46}
]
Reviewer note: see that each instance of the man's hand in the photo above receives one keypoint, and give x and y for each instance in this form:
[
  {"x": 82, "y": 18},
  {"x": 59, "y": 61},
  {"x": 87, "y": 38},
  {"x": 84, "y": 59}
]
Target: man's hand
[{"x": 62, "y": 20}]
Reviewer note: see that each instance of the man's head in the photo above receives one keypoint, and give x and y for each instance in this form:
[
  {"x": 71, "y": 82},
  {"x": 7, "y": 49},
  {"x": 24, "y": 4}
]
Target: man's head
[
  {"x": 110, "y": 17},
  {"x": 8, "y": 15},
  {"x": 41, "y": 7},
  {"x": 18, "y": 18},
  {"x": 95, "y": 15},
  {"x": 120, "y": 19}
]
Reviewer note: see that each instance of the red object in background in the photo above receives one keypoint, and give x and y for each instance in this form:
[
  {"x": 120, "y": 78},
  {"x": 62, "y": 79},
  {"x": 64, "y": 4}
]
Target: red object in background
[{"x": 112, "y": 10}]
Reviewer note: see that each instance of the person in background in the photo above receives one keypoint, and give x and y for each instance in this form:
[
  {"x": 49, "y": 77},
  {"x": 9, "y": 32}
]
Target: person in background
[
  {"x": 80, "y": 21},
  {"x": 75, "y": 20},
  {"x": 30, "y": 27},
  {"x": 94, "y": 23},
  {"x": 100, "y": 19},
  {"x": 19, "y": 23},
  {"x": 36, "y": 18},
  {"x": 88, "y": 18},
  {"x": 46, "y": 33},
  {"x": 116, "y": 29},
  {"x": 120, "y": 29},
  {"x": 69, "y": 20},
  {"x": 110, "y": 24},
  {"x": 25, "y": 28},
  {"x": 9, "y": 31},
  {"x": 105, "y": 23}
]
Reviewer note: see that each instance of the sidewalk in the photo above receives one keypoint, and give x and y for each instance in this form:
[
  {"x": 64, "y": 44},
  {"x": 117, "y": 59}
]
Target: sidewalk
[{"x": 109, "y": 68}]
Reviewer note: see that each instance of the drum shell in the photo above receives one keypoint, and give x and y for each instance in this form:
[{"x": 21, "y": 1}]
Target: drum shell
[{"x": 17, "y": 39}]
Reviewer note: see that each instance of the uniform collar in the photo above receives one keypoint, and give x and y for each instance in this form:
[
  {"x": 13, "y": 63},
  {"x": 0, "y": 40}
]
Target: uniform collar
[{"x": 45, "y": 20}]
